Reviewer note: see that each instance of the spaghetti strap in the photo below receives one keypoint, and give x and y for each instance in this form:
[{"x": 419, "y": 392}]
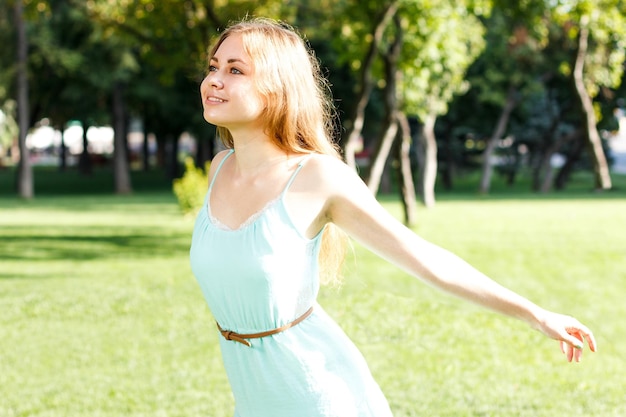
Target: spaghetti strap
[
  {"x": 219, "y": 167},
  {"x": 295, "y": 173}
]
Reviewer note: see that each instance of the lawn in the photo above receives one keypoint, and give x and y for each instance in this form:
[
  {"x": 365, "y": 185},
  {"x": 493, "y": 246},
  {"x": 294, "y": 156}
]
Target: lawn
[{"x": 101, "y": 315}]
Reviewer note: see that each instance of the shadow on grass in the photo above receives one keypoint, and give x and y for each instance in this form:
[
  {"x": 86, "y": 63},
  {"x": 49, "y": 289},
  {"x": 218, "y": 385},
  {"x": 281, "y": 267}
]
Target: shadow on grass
[
  {"x": 16, "y": 276},
  {"x": 157, "y": 202},
  {"x": 71, "y": 246}
]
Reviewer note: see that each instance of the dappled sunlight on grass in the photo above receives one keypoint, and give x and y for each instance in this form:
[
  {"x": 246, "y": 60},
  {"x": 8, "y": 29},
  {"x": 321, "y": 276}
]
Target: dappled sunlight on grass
[{"x": 101, "y": 315}]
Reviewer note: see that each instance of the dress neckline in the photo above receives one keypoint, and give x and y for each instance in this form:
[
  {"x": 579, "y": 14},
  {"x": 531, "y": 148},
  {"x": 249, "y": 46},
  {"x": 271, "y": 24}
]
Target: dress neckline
[
  {"x": 246, "y": 223},
  {"x": 217, "y": 223}
]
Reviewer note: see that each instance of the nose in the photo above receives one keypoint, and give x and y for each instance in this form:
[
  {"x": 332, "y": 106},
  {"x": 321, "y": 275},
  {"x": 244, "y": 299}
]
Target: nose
[
  {"x": 210, "y": 81},
  {"x": 214, "y": 80}
]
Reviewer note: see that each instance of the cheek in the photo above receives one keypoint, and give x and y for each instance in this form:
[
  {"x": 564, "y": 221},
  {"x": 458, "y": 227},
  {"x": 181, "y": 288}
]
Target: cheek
[
  {"x": 260, "y": 103},
  {"x": 252, "y": 100},
  {"x": 259, "y": 100},
  {"x": 203, "y": 84}
]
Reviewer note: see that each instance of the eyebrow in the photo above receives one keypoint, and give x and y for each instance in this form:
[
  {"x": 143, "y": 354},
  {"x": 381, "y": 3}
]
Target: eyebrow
[{"x": 230, "y": 60}]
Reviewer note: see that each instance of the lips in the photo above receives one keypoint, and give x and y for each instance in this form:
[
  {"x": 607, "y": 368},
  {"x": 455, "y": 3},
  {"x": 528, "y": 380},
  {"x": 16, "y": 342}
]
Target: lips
[{"x": 213, "y": 99}]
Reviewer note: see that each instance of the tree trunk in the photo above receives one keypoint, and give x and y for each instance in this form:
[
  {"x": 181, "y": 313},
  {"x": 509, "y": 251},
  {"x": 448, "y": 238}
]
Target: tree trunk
[
  {"x": 566, "y": 170},
  {"x": 172, "y": 155},
  {"x": 380, "y": 157},
  {"x": 594, "y": 143},
  {"x": 161, "y": 151},
  {"x": 366, "y": 86},
  {"x": 85, "y": 166},
  {"x": 546, "y": 161},
  {"x": 25, "y": 182},
  {"x": 545, "y": 169},
  {"x": 145, "y": 147},
  {"x": 121, "y": 168},
  {"x": 512, "y": 173},
  {"x": 391, "y": 109},
  {"x": 540, "y": 169},
  {"x": 428, "y": 169},
  {"x": 204, "y": 152},
  {"x": 447, "y": 173},
  {"x": 62, "y": 150},
  {"x": 407, "y": 188},
  {"x": 498, "y": 132}
]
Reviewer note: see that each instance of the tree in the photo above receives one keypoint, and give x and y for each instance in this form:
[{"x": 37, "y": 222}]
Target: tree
[
  {"x": 509, "y": 69},
  {"x": 597, "y": 32},
  {"x": 390, "y": 53},
  {"x": 438, "y": 43},
  {"x": 600, "y": 165},
  {"x": 366, "y": 82},
  {"x": 395, "y": 124},
  {"x": 68, "y": 68},
  {"x": 169, "y": 42},
  {"x": 441, "y": 41},
  {"x": 25, "y": 171}
]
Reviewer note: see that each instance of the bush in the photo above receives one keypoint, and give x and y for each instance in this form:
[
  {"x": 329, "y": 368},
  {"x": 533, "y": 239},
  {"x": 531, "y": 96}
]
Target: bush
[{"x": 191, "y": 188}]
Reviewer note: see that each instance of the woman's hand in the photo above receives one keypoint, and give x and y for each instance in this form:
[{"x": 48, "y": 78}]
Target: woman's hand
[{"x": 570, "y": 333}]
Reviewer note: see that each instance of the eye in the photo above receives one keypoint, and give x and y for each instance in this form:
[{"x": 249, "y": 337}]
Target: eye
[
  {"x": 235, "y": 71},
  {"x": 212, "y": 68}
]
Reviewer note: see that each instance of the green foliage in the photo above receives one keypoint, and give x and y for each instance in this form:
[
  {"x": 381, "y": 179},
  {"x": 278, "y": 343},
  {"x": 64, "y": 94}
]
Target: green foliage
[
  {"x": 7, "y": 52},
  {"x": 191, "y": 187},
  {"x": 80, "y": 49},
  {"x": 606, "y": 20},
  {"x": 8, "y": 125},
  {"x": 441, "y": 40}
]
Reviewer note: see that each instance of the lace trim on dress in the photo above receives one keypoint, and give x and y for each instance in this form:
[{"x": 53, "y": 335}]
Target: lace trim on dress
[{"x": 254, "y": 217}]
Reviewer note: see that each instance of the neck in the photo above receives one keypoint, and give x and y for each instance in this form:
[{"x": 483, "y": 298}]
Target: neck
[{"x": 255, "y": 153}]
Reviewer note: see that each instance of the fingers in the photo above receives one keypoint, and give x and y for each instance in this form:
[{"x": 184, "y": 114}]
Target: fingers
[
  {"x": 567, "y": 349},
  {"x": 571, "y": 353},
  {"x": 573, "y": 341},
  {"x": 571, "y": 335},
  {"x": 581, "y": 333},
  {"x": 591, "y": 341}
]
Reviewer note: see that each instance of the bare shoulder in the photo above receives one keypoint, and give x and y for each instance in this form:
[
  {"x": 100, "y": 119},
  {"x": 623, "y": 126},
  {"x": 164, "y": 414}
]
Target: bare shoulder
[
  {"x": 330, "y": 172},
  {"x": 350, "y": 205},
  {"x": 337, "y": 185}
]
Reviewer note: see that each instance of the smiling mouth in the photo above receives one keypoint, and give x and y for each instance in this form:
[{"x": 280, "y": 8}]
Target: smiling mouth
[{"x": 215, "y": 100}]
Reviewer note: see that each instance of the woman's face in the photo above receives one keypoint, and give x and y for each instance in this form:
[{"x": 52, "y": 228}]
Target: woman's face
[{"x": 229, "y": 94}]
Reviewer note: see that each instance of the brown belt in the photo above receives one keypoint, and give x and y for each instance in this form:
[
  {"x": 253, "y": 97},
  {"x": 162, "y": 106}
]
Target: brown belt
[{"x": 241, "y": 338}]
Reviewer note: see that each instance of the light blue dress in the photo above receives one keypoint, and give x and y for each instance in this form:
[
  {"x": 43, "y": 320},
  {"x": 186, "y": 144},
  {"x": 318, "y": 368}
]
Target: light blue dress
[{"x": 264, "y": 275}]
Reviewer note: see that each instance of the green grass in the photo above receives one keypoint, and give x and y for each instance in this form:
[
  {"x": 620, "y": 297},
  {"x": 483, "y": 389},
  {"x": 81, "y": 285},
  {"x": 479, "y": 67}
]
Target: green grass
[
  {"x": 50, "y": 181},
  {"x": 101, "y": 316}
]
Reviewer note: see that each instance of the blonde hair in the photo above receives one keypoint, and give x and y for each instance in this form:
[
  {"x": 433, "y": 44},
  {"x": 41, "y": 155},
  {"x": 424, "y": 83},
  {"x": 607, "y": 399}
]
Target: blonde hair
[{"x": 299, "y": 115}]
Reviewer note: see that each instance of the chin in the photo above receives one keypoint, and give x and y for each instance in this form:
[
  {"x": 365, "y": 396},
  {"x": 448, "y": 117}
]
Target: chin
[{"x": 210, "y": 118}]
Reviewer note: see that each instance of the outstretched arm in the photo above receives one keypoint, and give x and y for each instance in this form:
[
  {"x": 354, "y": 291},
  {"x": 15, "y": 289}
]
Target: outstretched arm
[{"x": 352, "y": 207}]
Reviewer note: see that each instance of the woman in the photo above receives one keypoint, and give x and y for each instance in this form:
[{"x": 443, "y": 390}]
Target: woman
[{"x": 278, "y": 202}]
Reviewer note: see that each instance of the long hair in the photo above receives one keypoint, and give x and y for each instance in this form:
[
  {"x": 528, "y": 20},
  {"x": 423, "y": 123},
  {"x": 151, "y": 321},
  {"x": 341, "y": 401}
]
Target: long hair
[{"x": 299, "y": 115}]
